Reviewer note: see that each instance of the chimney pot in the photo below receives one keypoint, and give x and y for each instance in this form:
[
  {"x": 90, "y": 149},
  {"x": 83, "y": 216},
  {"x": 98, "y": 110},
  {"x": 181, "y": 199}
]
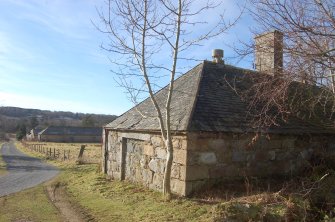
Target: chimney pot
[{"x": 217, "y": 55}]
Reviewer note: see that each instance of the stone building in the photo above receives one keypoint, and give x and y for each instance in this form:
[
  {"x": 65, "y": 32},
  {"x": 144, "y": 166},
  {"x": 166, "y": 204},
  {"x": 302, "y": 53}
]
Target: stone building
[
  {"x": 213, "y": 137},
  {"x": 71, "y": 134},
  {"x": 32, "y": 135}
]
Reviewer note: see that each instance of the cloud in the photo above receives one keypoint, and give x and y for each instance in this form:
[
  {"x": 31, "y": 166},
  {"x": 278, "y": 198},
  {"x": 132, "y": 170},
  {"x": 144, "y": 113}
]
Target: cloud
[
  {"x": 99, "y": 57},
  {"x": 18, "y": 57},
  {"x": 59, "y": 16},
  {"x": 10, "y": 48}
]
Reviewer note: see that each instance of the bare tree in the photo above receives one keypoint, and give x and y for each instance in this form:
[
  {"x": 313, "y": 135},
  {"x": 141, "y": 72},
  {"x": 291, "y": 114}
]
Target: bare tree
[
  {"x": 147, "y": 39},
  {"x": 308, "y": 27}
]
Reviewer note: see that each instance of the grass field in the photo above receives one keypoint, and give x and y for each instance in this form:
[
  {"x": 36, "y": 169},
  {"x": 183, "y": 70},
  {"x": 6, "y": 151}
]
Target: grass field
[
  {"x": 92, "y": 153},
  {"x": 28, "y": 205}
]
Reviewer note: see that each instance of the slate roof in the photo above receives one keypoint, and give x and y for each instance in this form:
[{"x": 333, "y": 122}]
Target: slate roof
[
  {"x": 38, "y": 129},
  {"x": 204, "y": 100},
  {"x": 71, "y": 130},
  {"x": 184, "y": 94}
]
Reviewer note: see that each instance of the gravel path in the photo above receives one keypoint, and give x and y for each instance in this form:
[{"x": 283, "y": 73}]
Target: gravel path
[{"x": 23, "y": 171}]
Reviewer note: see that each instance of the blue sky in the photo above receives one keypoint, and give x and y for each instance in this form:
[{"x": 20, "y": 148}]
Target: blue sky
[{"x": 50, "y": 56}]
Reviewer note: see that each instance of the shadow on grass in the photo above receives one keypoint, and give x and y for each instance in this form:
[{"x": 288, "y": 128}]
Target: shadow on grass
[{"x": 25, "y": 163}]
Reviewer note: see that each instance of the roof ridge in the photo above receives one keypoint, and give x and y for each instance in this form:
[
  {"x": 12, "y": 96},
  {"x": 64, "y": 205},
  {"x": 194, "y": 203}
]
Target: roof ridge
[
  {"x": 156, "y": 93},
  {"x": 42, "y": 131},
  {"x": 74, "y": 126},
  {"x": 190, "y": 114}
]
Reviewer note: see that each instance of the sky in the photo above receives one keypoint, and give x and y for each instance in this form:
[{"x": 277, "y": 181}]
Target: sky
[{"x": 50, "y": 56}]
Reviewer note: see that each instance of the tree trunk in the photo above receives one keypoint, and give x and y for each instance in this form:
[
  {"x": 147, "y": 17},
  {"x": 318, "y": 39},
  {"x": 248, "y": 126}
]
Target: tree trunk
[{"x": 168, "y": 166}]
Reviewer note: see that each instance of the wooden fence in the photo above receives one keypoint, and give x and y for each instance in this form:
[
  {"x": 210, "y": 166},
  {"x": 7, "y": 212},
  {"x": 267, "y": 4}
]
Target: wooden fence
[{"x": 51, "y": 153}]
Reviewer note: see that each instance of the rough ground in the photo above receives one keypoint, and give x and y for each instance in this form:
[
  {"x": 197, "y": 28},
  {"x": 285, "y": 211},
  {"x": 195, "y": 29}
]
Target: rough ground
[
  {"x": 23, "y": 171},
  {"x": 69, "y": 211}
]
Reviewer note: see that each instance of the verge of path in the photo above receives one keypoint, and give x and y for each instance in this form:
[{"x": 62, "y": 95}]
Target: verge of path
[
  {"x": 3, "y": 170},
  {"x": 70, "y": 212},
  {"x": 23, "y": 171}
]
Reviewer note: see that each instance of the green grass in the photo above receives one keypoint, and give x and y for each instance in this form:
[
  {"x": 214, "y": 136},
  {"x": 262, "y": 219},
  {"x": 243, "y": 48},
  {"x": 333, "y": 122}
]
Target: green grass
[
  {"x": 28, "y": 205},
  {"x": 105, "y": 200},
  {"x": 3, "y": 170},
  {"x": 108, "y": 200},
  {"x": 122, "y": 201}
]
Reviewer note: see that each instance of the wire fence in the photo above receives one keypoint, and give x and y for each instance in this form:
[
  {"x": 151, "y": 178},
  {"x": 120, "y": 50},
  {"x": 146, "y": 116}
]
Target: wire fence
[{"x": 51, "y": 153}]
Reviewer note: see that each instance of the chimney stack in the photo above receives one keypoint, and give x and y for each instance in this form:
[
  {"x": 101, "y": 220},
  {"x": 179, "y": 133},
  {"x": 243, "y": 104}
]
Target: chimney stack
[
  {"x": 269, "y": 53},
  {"x": 217, "y": 55}
]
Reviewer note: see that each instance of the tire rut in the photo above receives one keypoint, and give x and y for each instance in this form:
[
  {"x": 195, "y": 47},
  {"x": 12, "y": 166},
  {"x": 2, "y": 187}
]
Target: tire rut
[{"x": 70, "y": 212}]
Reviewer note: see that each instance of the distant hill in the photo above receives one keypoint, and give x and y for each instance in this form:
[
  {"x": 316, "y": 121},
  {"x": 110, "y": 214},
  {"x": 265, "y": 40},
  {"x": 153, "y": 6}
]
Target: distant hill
[{"x": 12, "y": 117}]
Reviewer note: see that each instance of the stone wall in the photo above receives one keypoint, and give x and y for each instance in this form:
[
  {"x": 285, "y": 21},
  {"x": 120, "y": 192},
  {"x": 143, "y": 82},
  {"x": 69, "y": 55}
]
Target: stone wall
[
  {"x": 140, "y": 158},
  {"x": 207, "y": 158},
  {"x": 227, "y": 156}
]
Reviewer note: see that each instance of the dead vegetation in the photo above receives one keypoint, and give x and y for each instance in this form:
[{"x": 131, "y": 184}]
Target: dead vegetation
[
  {"x": 66, "y": 151},
  {"x": 309, "y": 197}
]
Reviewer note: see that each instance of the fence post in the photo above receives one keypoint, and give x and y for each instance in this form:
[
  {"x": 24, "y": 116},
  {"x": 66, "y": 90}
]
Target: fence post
[{"x": 80, "y": 156}]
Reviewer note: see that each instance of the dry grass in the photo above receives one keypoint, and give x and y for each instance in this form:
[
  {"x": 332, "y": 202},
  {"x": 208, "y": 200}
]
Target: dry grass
[{"x": 92, "y": 153}]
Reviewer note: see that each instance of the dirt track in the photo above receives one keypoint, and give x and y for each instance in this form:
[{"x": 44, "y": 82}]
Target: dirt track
[{"x": 70, "y": 212}]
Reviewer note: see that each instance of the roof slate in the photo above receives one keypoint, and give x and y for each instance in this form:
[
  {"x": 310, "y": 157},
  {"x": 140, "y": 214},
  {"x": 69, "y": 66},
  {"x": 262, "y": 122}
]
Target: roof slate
[
  {"x": 143, "y": 116},
  {"x": 71, "y": 130},
  {"x": 37, "y": 130},
  {"x": 204, "y": 100}
]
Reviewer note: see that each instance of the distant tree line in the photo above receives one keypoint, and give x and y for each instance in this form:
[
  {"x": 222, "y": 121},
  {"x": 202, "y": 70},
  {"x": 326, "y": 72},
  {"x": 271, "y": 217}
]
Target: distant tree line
[{"x": 19, "y": 120}]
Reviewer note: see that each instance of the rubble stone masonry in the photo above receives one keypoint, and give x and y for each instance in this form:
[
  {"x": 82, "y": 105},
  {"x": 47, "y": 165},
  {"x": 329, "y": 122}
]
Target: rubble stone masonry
[{"x": 205, "y": 158}]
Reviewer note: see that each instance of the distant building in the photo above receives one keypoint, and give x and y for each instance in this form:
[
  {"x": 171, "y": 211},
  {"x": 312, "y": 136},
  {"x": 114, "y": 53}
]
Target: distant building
[
  {"x": 32, "y": 135},
  {"x": 70, "y": 134}
]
